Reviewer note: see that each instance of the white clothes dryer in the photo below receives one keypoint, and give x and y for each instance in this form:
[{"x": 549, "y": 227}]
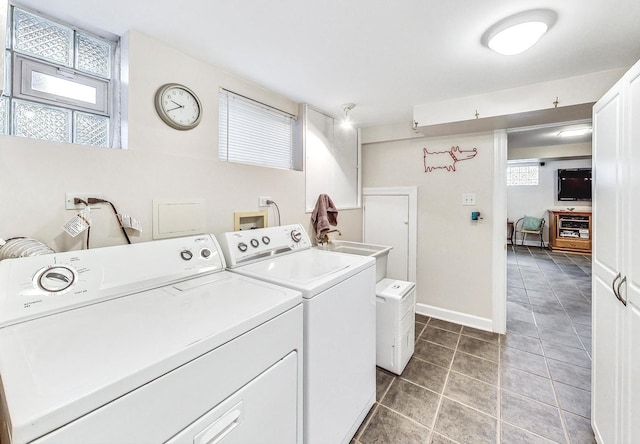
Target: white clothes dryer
[
  {"x": 338, "y": 293},
  {"x": 147, "y": 343}
]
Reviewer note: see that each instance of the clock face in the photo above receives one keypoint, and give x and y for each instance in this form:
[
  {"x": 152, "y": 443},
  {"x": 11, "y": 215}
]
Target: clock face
[{"x": 178, "y": 106}]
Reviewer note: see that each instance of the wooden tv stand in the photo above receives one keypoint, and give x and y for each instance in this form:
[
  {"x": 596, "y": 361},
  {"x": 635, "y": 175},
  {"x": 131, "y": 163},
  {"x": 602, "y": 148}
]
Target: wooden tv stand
[{"x": 570, "y": 231}]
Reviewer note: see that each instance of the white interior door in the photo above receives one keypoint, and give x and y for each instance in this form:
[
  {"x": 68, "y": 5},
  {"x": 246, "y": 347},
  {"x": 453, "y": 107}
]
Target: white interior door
[
  {"x": 390, "y": 218},
  {"x": 386, "y": 222}
]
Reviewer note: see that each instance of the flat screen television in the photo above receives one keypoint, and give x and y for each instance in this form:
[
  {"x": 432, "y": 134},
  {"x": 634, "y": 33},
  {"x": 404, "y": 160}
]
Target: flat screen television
[{"x": 574, "y": 184}]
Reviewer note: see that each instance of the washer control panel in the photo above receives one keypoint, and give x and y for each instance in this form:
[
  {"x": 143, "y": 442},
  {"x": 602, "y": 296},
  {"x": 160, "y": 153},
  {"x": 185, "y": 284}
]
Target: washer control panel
[
  {"x": 245, "y": 246},
  {"x": 41, "y": 285}
]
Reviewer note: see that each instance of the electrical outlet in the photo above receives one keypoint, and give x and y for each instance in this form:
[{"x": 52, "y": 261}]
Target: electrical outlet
[
  {"x": 469, "y": 199},
  {"x": 262, "y": 201},
  {"x": 68, "y": 200}
]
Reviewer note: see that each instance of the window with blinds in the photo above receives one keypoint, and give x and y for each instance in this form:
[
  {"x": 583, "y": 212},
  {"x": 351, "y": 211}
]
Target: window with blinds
[{"x": 254, "y": 133}]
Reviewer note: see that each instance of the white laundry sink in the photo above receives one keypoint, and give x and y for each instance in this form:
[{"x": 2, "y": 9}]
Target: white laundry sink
[{"x": 379, "y": 252}]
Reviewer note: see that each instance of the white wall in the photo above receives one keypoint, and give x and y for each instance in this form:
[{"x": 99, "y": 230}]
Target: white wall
[
  {"x": 535, "y": 200},
  {"x": 454, "y": 259},
  {"x": 160, "y": 162}
]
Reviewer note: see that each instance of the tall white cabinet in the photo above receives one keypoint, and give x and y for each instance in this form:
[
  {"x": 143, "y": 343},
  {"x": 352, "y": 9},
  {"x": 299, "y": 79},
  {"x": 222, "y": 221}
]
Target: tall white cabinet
[{"x": 616, "y": 263}]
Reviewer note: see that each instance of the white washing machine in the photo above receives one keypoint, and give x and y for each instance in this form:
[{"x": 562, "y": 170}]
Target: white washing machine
[
  {"x": 147, "y": 343},
  {"x": 338, "y": 293}
]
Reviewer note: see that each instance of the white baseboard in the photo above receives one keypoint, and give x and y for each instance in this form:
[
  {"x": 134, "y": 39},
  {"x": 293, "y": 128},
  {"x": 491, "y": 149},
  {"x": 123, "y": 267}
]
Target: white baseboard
[{"x": 455, "y": 316}]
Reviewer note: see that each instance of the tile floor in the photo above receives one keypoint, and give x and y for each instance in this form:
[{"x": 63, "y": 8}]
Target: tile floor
[{"x": 531, "y": 385}]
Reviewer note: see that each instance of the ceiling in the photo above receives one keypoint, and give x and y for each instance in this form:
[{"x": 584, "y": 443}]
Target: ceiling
[
  {"x": 384, "y": 56},
  {"x": 547, "y": 135}
]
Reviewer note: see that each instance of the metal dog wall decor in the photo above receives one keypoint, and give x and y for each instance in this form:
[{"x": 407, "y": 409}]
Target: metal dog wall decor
[{"x": 446, "y": 159}]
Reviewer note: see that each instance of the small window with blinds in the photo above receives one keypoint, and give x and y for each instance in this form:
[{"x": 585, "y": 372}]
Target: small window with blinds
[{"x": 256, "y": 134}]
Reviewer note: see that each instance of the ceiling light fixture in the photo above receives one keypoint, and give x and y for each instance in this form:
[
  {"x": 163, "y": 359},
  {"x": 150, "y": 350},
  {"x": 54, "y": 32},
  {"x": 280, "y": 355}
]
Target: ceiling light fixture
[
  {"x": 519, "y": 32},
  {"x": 346, "y": 121},
  {"x": 574, "y": 132}
]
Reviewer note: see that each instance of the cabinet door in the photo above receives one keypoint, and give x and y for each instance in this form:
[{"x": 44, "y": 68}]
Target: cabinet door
[
  {"x": 607, "y": 226},
  {"x": 631, "y": 290}
]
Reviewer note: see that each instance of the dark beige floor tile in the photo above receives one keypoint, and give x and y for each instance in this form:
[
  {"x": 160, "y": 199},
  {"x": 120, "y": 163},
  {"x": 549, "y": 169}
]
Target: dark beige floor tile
[
  {"x": 464, "y": 424},
  {"x": 471, "y": 392},
  {"x": 573, "y": 399},
  {"x": 527, "y": 384},
  {"x": 412, "y": 401},
  {"x": 366, "y": 420},
  {"x": 477, "y": 368},
  {"x": 436, "y": 438},
  {"x": 445, "y": 325},
  {"x": 425, "y": 374},
  {"x": 489, "y": 336},
  {"x": 389, "y": 427},
  {"x": 579, "y": 429},
  {"x": 531, "y": 415},
  {"x": 422, "y": 318},
  {"x": 433, "y": 353},
  {"x": 440, "y": 337},
  {"x": 419, "y": 327},
  {"x": 570, "y": 374},
  {"x": 383, "y": 379},
  {"x": 524, "y": 343},
  {"x": 566, "y": 354},
  {"x": 479, "y": 348},
  {"x": 524, "y": 361},
  {"x": 514, "y": 435}
]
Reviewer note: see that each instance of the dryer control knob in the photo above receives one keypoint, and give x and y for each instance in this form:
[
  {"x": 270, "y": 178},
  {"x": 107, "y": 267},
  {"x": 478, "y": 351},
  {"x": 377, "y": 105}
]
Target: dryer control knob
[
  {"x": 296, "y": 236},
  {"x": 266, "y": 240},
  {"x": 255, "y": 243},
  {"x": 205, "y": 253},
  {"x": 56, "y": 279},
  {"x": 186, "y": 255},
  {"x": 242, "y": 247}
]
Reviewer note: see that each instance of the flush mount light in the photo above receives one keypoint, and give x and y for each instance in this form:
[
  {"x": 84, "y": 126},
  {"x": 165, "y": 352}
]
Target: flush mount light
[
  {"x": 519, "y": 32},
  {"x": 574, "y": 132},
  {"x": 346, "y": 121}
]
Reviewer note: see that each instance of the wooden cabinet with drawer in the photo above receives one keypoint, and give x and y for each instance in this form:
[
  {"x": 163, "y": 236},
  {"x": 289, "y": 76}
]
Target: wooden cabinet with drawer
[{"x": 570, "y": 231}]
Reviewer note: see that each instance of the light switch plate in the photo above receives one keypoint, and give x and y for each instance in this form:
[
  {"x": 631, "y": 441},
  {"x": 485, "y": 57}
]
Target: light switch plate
[{"x": 469, "y": 199}]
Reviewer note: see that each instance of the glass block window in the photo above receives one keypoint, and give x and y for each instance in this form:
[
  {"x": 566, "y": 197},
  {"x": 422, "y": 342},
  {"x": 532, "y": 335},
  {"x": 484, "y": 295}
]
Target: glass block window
[
  {"x": 89, "y": 129},
  {"x": 41, "y": 121},
  {"x": 42, "y": 38},
  {"x": 4, "y": 115},
  {"x": 93, "y": 55},
  {"x": 62, "y": 82},
  {"x": 522, "y": 175}
]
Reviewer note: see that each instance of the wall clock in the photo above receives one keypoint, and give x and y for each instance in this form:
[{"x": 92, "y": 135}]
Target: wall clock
[{"x": 178, "y": 106}]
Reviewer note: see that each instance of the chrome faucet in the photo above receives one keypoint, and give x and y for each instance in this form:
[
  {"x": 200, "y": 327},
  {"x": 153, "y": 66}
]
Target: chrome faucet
[{"x": 324, "y": 237}]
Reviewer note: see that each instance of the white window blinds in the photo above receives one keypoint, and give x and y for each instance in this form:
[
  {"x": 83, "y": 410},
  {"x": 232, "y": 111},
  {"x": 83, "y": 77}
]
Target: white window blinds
[{"x": 253, "y": 133}]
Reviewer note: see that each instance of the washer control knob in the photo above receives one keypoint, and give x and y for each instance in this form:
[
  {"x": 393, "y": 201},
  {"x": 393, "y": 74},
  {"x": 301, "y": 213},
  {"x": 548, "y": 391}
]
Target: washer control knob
[
  {"x": 296, "y": 236},
  {"x": 266, "y": 240},
  {"x": 186, "y": 255},
  {"x": 205, "y": 253},
  {"x": 56, "y": 279},
  {"x": 242, "y": 247},
  {"x": 255, "y": 243}
]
